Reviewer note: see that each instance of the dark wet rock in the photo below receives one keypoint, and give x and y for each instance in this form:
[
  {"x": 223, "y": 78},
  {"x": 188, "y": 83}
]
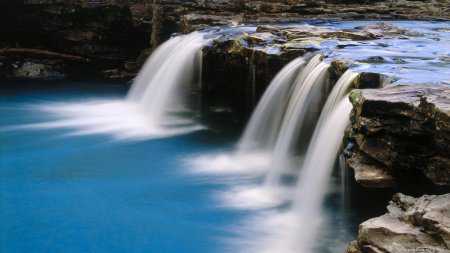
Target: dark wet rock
[
  {"x": 237, "y": 69},
  {"x": 107, "y": 35},
  {"x": 411, "y": 225},
  {"x": 401, "y": 132}
]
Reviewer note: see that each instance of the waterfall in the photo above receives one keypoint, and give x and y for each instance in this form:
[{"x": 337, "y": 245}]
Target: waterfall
[
  {"x": 263, "y": 127},
  {"x": 321, "y": 157},
  {"x": 152, "y": 104},
  {"x": 315, "y": 173},
  {"x": 294, "y": 229},
  {"x": 157, "y": 88},
  {"x": 305, "y": 103}
]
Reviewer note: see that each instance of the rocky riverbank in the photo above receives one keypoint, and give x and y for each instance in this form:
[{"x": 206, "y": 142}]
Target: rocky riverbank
[
  {"x": 113, "y": 37},
  {"x": 399, "y": 137}
]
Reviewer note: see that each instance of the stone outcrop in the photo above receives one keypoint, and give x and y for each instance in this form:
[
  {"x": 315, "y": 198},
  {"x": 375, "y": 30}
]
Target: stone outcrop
[
  {"x": 401, "y": 134},
  {"x": 238, "y": 67},
  {"x": 411, "y": 225},
  {"x": 117, "y": 35}
]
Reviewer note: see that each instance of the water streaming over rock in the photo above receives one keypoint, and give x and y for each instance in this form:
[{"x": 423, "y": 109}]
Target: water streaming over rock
[
  {"x": 154, "y": 106},
  {"x": 305, "y": 103},
  {"x": 320, "y": 158},
  {"x": 169, "y": 70},
  {"x": 294, "y": 229},
  {"x": 315, "y": 173},
  {"x": 263, "y": 128}
]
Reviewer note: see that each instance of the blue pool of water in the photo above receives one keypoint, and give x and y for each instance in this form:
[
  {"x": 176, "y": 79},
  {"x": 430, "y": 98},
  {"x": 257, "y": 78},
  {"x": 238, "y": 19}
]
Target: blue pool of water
[
  {"x": 94, "y": 193},
  {"x": 91, "y": 194}
]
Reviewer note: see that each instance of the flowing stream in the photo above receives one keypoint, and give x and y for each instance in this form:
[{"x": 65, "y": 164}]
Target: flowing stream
[
  {"x": 155, "y": 106},
  {"x": 98, "y": 176}
]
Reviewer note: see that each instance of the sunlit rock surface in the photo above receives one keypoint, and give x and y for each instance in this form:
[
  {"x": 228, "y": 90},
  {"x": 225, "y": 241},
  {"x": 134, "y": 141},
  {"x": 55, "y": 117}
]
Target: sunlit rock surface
[
  {"x": 411, "y": 225},
  {"x": 401, "y": 133}
]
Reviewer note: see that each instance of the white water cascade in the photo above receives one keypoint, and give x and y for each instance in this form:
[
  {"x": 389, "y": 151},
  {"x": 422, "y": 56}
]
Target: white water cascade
[
  {"x": 295, "y": 229},
  {"x": 263, "y": 127},
  {"x": 315, "y": 173},
  {"x": 153, "y": 105},
  {"x": 168, "y": 70},
  {"x": 320, "y": 159},
  {"x": 305, "y": 103}
]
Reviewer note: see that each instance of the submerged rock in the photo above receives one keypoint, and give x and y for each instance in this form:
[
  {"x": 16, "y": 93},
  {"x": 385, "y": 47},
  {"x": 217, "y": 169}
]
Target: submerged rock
[
  {"x": 411, "y": 225},
  {"x": 401, "y": 134}
]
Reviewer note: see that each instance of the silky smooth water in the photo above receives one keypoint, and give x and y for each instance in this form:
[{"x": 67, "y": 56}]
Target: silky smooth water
[
  {"x": 94, "y": 193},
  {"x": 262, "y": 129},
  {"x": 81, "y": 170},
  {"x": 65, "y": 193}
]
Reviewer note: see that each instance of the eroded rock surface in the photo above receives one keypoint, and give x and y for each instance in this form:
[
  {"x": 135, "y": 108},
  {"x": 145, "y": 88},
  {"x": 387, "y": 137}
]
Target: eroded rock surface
[
  {"x": 411, "y": 225},
  {"x": 401, "y": 134}
]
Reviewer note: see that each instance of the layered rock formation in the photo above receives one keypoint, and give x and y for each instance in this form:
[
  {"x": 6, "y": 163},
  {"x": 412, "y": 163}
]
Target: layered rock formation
[
  {"x": 110, "y": 35},
  {"x": 401, "y": 134},
  {"x": 411, "y": 225}
]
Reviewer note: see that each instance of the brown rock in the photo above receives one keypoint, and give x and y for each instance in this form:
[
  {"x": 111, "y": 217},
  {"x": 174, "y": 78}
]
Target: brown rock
[{"x": 403, "y": 131}]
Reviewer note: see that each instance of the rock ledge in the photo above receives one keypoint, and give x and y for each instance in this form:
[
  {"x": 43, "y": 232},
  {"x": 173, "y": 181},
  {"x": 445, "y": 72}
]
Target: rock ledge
[{"x": 401, "y": 134}]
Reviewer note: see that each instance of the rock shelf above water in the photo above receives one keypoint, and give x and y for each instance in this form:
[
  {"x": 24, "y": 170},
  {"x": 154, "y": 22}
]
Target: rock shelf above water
[{"x": 401, "y": 134}]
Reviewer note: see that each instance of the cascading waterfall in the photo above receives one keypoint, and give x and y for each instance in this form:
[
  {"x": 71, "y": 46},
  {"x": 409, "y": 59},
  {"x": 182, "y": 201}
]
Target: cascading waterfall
[
  {"x": 315, "y": 173},
  {"x": 341, "y": 88},
  {"x": 306, "y": 100},
  {"x": 297, "y": 227},
  {"x": 153, "y": 104},
  {"x": 263, "y": 127},
  {"x": 171, "y": 66},
  {"x": 321, "y": 157}
]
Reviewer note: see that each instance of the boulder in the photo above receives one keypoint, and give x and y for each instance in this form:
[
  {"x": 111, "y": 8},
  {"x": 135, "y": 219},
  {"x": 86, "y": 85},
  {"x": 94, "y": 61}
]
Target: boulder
[
  {"x": 400, "y": 134},
  {"x": 411, "y": 225}
]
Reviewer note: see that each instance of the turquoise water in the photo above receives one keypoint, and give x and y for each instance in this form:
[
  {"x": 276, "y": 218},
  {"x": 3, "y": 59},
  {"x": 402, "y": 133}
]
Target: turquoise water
[
  {"x": 91, "y": 194},
  {"x": 61, "y": 192},
  {"x": 88, "y": 191}
]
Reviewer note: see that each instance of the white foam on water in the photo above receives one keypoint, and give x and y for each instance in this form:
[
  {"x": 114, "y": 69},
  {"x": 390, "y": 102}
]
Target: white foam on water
[{"x": 154, "y": 106}]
